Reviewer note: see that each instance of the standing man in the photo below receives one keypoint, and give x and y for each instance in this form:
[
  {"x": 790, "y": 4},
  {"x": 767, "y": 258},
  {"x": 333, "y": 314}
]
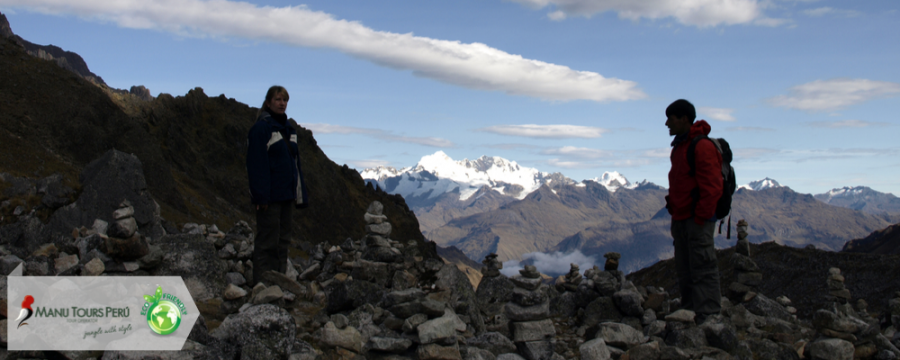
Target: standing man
[{"x": 692, "y": 203}]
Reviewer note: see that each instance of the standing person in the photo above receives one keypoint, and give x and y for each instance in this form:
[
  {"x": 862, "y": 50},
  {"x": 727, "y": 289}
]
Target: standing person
[
  {"x": 692, "y": 203},
  {"x": 276, "y": 182}
]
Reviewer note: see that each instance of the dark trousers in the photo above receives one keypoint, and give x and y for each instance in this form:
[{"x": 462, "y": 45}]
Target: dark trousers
[
  {"x": 698, "y": 271},
  {"x": 270, "y": 250}
]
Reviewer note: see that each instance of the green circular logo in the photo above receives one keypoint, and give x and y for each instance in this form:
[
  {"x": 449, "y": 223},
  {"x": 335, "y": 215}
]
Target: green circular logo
[{"x": 164, "y": 317}]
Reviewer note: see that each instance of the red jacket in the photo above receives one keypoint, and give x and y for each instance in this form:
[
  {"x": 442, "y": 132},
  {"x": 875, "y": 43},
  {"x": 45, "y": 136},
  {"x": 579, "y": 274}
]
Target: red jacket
[{"x": 708, "y": 178}]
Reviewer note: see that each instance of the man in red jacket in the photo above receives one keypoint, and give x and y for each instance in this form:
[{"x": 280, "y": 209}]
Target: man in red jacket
[{"x": 692, "y": 203}]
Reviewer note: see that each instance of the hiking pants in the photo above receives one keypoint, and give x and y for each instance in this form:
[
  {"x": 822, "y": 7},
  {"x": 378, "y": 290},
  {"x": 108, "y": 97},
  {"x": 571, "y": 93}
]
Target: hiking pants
[
  {"x": 270, "y": 249},
  {"x": 698, "y": 271}
]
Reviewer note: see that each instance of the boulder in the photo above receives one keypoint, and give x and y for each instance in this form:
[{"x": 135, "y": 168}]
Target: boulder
[
  {"x": 492, "y": 294},
  {"x": 387, "y": 344},
  {"x": 348, "y": 338},
  {"x": 650, "y": 350},
  {"x": 444, "y": 327},
  {"x": 93, "y": 268},
  {"x": 195, "y": 260},
  {"x": 438, "y": 352},
  {"x": 594, "y": 350},
  {"x": 494, "y": 342},
  {"x": 351, "y": 294},
  {"x": 533, "y": 330},
  {"x": 602, "y": 309},
  {"x": 619, "y": 335},
  {"x": 629, "y": 302},
  {"x": 462, "y": 294},
  {"x": 262, "y": 331},
  {"x": 831, "y": 349},
  {"x": 536, "y": 350}
]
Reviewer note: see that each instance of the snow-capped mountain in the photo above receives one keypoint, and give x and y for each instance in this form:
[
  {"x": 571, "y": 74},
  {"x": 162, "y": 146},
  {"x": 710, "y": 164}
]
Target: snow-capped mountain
[
  {"x": 862, "y": 198},
  {"x": 613, "y": 180},
  {"x": 437, "y": 174},
  {"x": 763, "y": 184}
]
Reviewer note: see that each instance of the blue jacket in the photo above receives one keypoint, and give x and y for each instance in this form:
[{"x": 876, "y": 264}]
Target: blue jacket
[{"x": 273, "y": 163}]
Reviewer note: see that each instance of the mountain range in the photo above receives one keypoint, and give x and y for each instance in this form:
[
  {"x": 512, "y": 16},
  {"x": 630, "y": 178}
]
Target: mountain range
[{"x": 468, "y": 205}]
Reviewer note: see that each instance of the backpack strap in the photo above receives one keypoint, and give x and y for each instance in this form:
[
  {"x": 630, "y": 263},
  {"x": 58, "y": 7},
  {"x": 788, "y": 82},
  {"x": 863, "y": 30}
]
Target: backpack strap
[{"x": 692, "y": 162}]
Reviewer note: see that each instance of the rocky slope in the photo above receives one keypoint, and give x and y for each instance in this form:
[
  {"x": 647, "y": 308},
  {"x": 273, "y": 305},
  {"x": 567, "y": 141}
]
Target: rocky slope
[
  {"x": 192, "y": 149},
  {"x": 884, "y": 241}
]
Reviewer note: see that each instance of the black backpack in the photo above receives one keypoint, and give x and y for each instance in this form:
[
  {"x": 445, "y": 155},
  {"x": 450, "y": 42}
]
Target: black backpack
[{"x": 723, "y": 207}]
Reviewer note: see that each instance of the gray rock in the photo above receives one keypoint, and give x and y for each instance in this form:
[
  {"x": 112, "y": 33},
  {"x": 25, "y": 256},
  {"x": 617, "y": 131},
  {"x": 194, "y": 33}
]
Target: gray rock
[
  {"x": 194, "y": 259},
  {"x": 227, "y": 252},
  {"x": 648, "y": 317},
  {"x": 462, "y": 294},
  {"x": 530, "y": 297},
  {"x": 383, "y": 229},
  {"x": 563, "y": 305},
  {"x": 744, "y": 263},
  {"x": 283, "y": 281},
  {"x": 438, "y": 352},
  {"x": 619, "y": 335},
  {"x": 65, "y": 261},
  {"x": 528, "y": 313},
  {"x": 351, "y": 294},
  {"x": 687, "y": 338},
  {"x": 824, "y": 319},
  {"x": 123, "y": 228},
  {"x": 655, "y": 328},
  {"x": 536, "y": 350},
  {"x": 594, "y": 350},
  {"x": 340, "y": 321},
  {"x": 749, "y": 278},
  {"x": 37, "y": 268},
  {"x": 387, "y": 344},
  {"x": 606, "y": 283},
  {"x": 441, "y": 328},
  {"x": 374, "y": 219},
  {"x": 526, "y": 283},
  {"x": 509, "y": 356},
  {"x": 402, "y": 296},
  {"x": 268, "y": 295},
  {"x": 602, "y": 309},
  {"x": 492, "y": 294},
  {"x": 88, "y": 243},
  {"x": 379, "y": 273},
  {"x": 494, "y": 342},
  {"x": 412, "y": 322},
  {"x": 432, "y": 307},
  {"x": 682, "y": 315},
  {"x": 93, "y": 268},
  {"x": 152, "y": 259},
  {"x": 348, "y": 338},
  {"x": 134, "y": 247},
  {"x": 474, "y": 353},
  {"x": 235, "y": 278},
  {"x": 831, "y": 349},
  {"x": 533, "y": 330},
  {"x": 407, "y": 309},
  {"x": 375, "y": 208},
  {"x": 650, "y": 350},
  {"x": 233, "y": 292},
  {"x": 310, "y": 272},
  {"x": 629, "y": 302},
  {"x": 720, "y": 333},
  {"x": 263, "y": 332}
]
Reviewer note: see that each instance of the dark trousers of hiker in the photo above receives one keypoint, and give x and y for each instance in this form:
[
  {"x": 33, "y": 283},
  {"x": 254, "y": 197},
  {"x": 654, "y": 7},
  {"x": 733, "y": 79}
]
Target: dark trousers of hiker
[
  {"x": 270, "y": 249},
  {"x": 698, "y": 271}
]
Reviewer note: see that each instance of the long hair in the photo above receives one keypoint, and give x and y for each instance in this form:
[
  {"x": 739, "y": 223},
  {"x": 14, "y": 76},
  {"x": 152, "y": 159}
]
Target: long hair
[{"x": 274, "y": 90}]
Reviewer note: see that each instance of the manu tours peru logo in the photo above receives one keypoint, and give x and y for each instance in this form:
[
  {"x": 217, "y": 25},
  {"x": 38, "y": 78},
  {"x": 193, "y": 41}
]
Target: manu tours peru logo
[
  {"x": 163, "y": 311},
  {"x": 71, "y": 314}
]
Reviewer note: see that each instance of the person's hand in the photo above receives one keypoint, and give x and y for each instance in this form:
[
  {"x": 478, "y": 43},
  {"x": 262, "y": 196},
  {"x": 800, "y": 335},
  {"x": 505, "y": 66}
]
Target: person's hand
[{"x": 262, "y": 207}]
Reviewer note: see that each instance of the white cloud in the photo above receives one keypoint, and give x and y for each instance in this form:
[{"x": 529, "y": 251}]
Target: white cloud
[
  {"x": 846, "y": 124},
  {"x": 553, "y": 264},
  {"x": 474, "y": 65},
  {"x": 701, "y": 13},
  {"x": 822, "y": 11},
  {"x": 547, "y": 131},
  {"x": 720, "y": 114},
  {"x": 827, "y": 95},
  {"x": 577, "y": 152},
  {"x": 368, "y": 164},
  {"x": 379, "y": 134}
]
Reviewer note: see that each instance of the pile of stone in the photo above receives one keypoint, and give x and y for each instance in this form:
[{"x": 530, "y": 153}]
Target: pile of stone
[
  {"x": 378, "y": 230},
  {"x": 747, "y": 278},
  {"x": 743, "y": 245},
  {"x": 529, "y": 314},
  {"x": 491, "y": 266},
  {"x": 571, "y": 280},
  {"x": 612, "y": 261},
  {"x": 836, "y": 291}
]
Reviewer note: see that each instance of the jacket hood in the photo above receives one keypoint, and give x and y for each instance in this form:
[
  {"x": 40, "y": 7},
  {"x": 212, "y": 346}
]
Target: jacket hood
[{"x": 700, "y": 127}]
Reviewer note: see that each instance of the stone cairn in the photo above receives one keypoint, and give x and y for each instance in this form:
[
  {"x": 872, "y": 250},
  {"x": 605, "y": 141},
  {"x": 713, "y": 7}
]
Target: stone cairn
[
  {"x": 124, "y": 241},
  {"x": 379, "y": 247},
  {"x": 836, "y": 291},
  {"x": 747, "y": 276},
  {"x": 529, "y": 314},
  {"x": 571, "y": 280},
  {"x": 743, "y": 245},
  {"x": 612, "y": 261},
  {"x": 491, "y": 266}
]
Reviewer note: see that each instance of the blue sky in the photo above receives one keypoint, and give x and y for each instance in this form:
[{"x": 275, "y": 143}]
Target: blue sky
[{"x": 807, "y": 92}]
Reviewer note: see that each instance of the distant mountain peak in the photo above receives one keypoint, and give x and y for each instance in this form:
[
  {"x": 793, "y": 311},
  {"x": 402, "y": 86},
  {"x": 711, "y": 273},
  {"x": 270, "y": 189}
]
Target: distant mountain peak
[
  {"x": 613, "y": 180},
  {"x": 763, "y": 184}
]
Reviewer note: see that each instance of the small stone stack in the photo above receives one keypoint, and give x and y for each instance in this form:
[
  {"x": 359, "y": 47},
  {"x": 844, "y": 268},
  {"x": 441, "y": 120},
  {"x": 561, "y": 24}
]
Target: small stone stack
[
  {"x": 434, "y": 326},
  {"x": 491, "y": 266},
  {"x": 743, "y": 245},
  {"x": 124, "y": 242},
  {"x": 836, "y": 290},
  {"x": 378, "y": 231},
  {"x": 529, "y": 314},
  {"x": 612, "y": 261},
  {"x": 571, "y": 280},
  {"x": 747, "y": 277}
]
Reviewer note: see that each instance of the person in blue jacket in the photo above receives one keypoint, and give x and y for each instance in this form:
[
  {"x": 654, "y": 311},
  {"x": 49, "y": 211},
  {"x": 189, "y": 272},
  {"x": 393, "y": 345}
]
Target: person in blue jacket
[{"x": 276, "y": 182}]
